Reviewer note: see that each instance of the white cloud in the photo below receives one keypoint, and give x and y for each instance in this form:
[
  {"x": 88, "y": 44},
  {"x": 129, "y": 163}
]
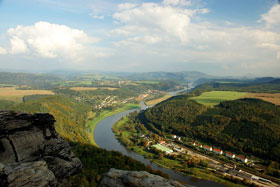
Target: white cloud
[
  {"x": 17, "y": 45},
  {"x": 272, "y": 18},
  {"x": 96, "y": 16},
  {"x": 49, "y": 40},
  {"x": 3, "y": 51},
  {"x": 126, "y": 6},
  {"x": 157, "y": 18},
  {"x": 177, "y": 2}
]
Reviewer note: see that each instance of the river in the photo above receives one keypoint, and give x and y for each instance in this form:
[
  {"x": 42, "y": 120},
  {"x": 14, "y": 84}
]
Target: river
[{"x": 105, "y": 138}]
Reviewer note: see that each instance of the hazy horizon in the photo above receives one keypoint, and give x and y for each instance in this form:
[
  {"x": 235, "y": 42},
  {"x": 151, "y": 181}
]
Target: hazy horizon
[{"x": 228, "y": 38}]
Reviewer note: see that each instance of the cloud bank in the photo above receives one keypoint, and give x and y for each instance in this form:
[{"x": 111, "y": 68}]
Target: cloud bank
[
  {"x": 48, "y": 40},
  {"x": 170, "y": 35},
  {"x": 178, "y": 30}
]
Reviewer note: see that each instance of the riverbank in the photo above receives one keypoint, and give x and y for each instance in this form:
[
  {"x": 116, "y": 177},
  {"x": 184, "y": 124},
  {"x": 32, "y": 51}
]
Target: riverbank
[
  {"x": 91, "y": 124},
  {"x": 185, "y": 164}
]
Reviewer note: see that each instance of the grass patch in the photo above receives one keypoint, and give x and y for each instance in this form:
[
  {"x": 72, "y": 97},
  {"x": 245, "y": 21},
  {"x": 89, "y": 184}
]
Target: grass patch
[
  {"x": 215, "y": 97},
  {"x": 91, "y": 124},
  {"x": 156, "y": 101}
]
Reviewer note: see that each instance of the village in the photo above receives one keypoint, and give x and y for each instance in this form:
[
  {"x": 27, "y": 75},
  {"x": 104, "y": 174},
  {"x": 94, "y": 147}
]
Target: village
[{"x": 175, "y": 146}]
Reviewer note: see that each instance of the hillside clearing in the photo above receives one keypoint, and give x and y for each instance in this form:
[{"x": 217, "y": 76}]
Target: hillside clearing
[
  {"x": 156, "y": 101},
  {"x": 215, "y": 97}
]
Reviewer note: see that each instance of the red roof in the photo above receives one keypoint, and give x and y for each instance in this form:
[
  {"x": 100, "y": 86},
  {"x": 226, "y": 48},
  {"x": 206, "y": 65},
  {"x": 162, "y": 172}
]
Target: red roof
[
  {"x": 241, "y": 157},
  {"x": 206, "y": 146},
  {"x": 161, "y": 141},
  {"x": 199, "y": 144},
  {"x": 218, "y": 150},
  {"x": 229, "y": 153}
]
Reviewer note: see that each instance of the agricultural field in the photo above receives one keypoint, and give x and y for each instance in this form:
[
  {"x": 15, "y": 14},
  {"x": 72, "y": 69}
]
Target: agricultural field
[
  {"x": 156, "y": 101},
  {"x": 215, "y": 97},
  {"x": 148, "y": 82},
  {"x": 12, "y": 94},
  {"x": 91, "y": 88},
  {"x": 269, "y": 97}
]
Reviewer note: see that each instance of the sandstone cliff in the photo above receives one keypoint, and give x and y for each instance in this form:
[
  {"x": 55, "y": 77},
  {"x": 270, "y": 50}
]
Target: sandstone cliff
[
  {"x": 32, "y": 153},
  {"x": 120, "y": 178}
]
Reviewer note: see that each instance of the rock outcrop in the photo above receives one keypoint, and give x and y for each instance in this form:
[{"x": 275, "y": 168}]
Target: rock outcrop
[
  {"x": 120, "y": 178},
  {"x": 32, "y": 153}
]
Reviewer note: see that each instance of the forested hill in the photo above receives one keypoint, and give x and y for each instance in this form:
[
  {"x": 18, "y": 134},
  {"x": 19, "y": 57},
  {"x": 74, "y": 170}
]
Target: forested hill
[
  {"x": 173, "y": 115},
  {"x": 243, "y": 126},
  {"x": 36, "y": 80},
  {"x": 265, "y": 84}
]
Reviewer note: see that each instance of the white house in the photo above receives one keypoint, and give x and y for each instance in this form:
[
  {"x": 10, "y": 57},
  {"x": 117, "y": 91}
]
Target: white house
[
  {"x": 230, "y": 155},
  {"x": 208, "y": 148},
  {"x": 241, "y": 158},
  {"x": 217, "y": 151}
]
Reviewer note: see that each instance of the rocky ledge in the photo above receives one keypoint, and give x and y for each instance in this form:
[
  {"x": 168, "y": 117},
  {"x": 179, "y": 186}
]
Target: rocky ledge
[
  {"x": 120, "y": 178},
  {"x": 32, "y": 153}
]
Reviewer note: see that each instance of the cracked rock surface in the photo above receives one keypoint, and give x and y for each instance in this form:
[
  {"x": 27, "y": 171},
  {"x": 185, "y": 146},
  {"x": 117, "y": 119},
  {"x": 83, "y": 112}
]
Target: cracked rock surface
[
  {"x": 121, "y": 178},
  {"x": 32, "y": 153}
]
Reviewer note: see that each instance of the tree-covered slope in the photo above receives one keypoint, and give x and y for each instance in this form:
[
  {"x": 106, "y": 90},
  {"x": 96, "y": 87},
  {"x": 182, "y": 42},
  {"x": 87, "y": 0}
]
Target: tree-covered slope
[
  {"x": 266, "y": 85},
  {"x": 173, "y": 115},
  {"x": 244, "y": 126},
  {"x": 70, "y": 115}
]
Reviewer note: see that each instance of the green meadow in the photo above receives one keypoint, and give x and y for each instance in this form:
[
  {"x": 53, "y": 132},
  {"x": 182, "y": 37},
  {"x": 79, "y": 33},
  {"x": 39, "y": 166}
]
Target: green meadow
[{"x": 215, "y": 97}]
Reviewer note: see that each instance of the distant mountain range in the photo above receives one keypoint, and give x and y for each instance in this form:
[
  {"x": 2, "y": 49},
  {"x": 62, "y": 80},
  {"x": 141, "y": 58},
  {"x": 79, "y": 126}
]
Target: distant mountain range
[{"x": 184, "y": 77}]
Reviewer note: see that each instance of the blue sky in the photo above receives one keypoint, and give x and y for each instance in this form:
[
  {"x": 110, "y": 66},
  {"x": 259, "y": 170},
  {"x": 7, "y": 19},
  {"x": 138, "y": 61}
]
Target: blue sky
[{"x": 232, "y": 37}]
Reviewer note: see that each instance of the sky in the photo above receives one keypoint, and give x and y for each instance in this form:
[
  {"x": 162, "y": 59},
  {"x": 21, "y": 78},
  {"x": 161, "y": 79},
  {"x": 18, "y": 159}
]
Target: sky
[{"x": 218, "y": 37}]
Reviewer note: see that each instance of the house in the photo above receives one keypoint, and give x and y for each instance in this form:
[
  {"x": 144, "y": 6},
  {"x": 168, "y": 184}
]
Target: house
[
  {"x": 208, "y": 148},
  {"x": 145, "y": 95},
  {"x": 173, "y": 136},
  {"x": 241, "y": 158},
  {"x": 217, "y": 151},
  {"x": 230, "y": 155},
  {"x": 193, "y": 143},
  {"x": 161, "y": 142},
  {"x": 199, "y": 145}
]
